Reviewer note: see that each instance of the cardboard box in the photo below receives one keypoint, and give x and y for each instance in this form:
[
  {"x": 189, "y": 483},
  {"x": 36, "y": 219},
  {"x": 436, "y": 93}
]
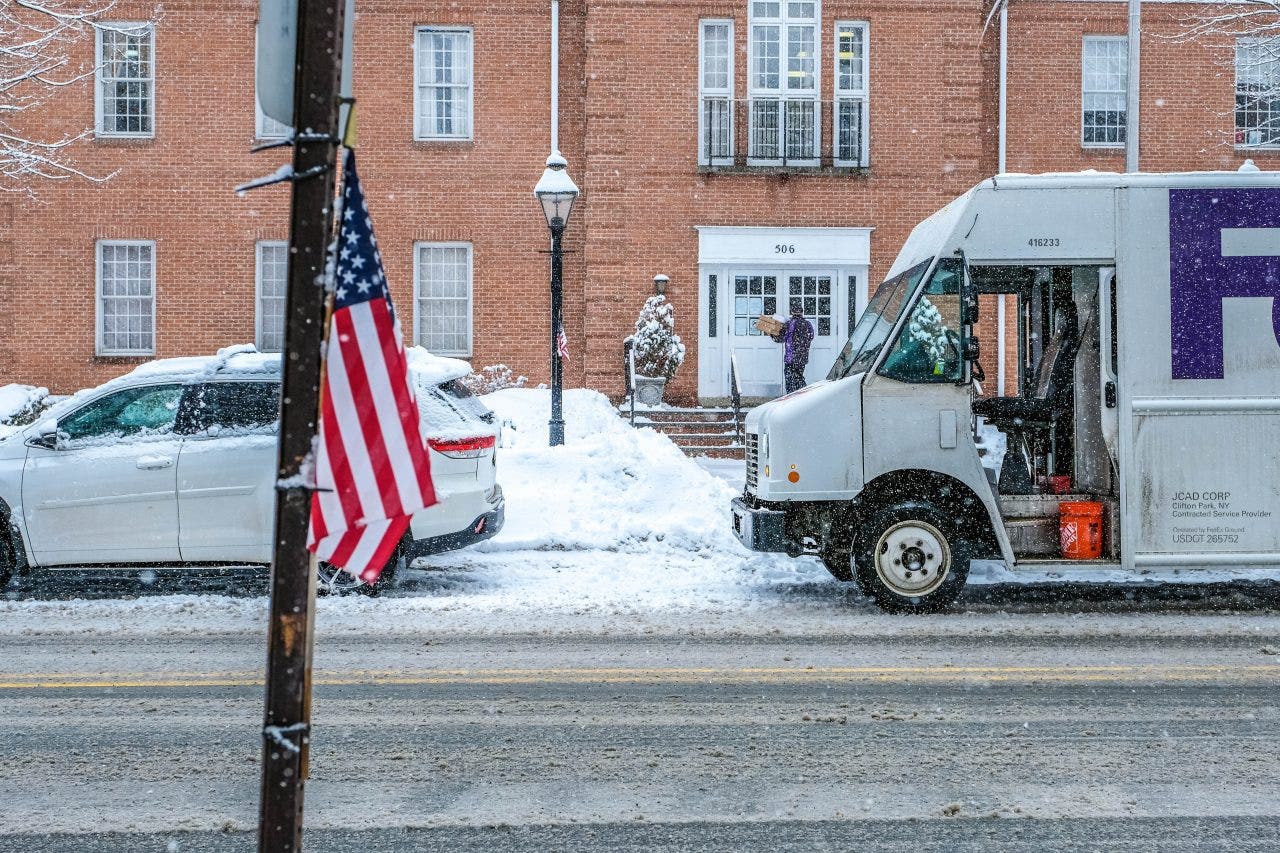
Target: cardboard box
[{"x": 770, "y": 325}]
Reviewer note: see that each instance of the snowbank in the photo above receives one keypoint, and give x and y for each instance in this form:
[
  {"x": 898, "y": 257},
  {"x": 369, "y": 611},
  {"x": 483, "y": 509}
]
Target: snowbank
[{"x": 609, "y": 488}]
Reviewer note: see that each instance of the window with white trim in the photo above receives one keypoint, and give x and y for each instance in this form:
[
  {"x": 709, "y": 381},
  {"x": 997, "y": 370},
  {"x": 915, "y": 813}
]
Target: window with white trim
[
  {"x": 272, "y": 281},
  {"x": 852, "y": 115},
  {"x": 442, "y": 298},
  {"x": 785, "y": 112},
  {"x": 126, "y": 297},
  {"x": 125, "y": 77},
  {"x": 715, "y": 91},
  {"x": 442, "y": 77},
  {"x": 1258, "y": 92},
  {"x": 1104, "y": 83}
]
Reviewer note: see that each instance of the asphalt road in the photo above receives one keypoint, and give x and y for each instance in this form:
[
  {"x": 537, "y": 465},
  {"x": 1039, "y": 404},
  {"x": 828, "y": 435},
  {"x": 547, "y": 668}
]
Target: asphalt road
[{"x": 925, "y": 742}]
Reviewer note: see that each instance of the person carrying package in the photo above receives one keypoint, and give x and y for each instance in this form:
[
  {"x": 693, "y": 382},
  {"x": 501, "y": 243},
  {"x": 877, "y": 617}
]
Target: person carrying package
[{"x": 795, "y": 337}]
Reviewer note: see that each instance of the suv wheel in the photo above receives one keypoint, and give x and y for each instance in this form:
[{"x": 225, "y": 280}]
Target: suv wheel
[{"x": 332, "y": 580}]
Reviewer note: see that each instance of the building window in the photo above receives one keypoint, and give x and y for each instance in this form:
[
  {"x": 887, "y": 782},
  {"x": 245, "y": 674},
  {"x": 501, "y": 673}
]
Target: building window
[
  {"x": 125, "y": 79},
  {"x": 442, "y": 287},
  {"x": 272, "y": 282},
  {"x": 1258, "y": 93},
  {"x": 126, "y": 297},
  {"x": 784, "y": 111},
  {"x": 1104, "y": 82},
  {"x": 852, "y": 117},
  {"x": 442, "y": 63},
  {"x": 715, "y": 89}
]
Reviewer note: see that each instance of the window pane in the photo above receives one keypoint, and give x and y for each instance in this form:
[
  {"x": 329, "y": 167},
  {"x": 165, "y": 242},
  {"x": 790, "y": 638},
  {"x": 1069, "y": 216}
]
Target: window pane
[
  {"x": 125, "y": 78},
  {"x": 127, "y": 298},
  {"x": 1104, "y": 80},
  {"x": 444, "y": 94},
  {"x": 237, "y": 406},
  {"x": 849, "y": 58},
  {"x": 766, "y": 52},
  {"x": 444, "y": 302},
  {"x": 149, "y": 410}
]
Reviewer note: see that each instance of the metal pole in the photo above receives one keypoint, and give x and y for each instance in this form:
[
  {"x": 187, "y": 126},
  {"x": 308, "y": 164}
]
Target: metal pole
[
  {"x": 555, "y": 75},
  {"x": 556, "y": 425},
  {"x": 1001, "y": 155},
  {"x": 1132, "y": 96},
  {"x": 286, "y": 724}
]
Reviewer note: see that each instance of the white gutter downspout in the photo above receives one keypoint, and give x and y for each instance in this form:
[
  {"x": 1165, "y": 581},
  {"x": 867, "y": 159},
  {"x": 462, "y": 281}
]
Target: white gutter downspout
[
  {"x": 1131, "y": 96},
  {"x": 1002, "y": 168},
  {"x": 555, "y": 75}
]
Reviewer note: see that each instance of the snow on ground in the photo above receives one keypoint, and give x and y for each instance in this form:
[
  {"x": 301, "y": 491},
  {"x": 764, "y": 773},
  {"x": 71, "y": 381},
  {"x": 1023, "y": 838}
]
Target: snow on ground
[{"x": 616, "y": 532}]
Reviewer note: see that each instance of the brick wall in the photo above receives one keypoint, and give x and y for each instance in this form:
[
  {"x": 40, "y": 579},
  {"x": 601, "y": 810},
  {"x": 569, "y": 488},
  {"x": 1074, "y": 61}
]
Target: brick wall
[{"x": 628, "y": 128}]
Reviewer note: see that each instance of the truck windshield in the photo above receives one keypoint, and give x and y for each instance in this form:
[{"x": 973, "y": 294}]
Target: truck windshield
[{"x": 877, "y": 321}]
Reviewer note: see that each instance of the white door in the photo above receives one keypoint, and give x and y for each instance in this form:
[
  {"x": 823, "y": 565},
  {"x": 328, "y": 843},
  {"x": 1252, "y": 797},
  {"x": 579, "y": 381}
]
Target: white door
[
  {"x": 815, "y": 294},
  {"x": 758, "y": 357},
  {"x": 227, "y": 472},
  {"x": 106, "y": 493}
]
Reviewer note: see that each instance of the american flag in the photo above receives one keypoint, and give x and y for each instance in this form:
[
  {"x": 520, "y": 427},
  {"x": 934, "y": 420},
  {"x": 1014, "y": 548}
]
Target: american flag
[
  {"x": 562, "y": 344},
  {"x": 372, "y": 468}
]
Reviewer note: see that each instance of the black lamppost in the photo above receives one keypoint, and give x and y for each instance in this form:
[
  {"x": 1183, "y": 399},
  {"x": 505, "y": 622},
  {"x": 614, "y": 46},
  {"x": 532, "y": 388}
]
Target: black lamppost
[{"x": 556, "y": 192}]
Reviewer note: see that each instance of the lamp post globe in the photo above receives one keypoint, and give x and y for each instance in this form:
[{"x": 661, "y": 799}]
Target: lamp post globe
[{"x": 556, "y": 192}]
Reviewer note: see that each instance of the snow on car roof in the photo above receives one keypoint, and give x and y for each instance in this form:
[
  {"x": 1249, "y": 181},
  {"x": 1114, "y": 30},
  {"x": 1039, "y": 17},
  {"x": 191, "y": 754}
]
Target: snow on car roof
[{"x": 430, "y": 369}]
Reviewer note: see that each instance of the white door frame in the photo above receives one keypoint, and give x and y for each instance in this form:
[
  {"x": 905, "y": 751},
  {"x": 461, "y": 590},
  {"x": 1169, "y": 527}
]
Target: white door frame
[{"x": 726, "y": 251}]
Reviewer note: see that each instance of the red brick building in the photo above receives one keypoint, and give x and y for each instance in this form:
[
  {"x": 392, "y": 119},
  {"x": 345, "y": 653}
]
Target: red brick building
[{"x": 754, "y": 151}]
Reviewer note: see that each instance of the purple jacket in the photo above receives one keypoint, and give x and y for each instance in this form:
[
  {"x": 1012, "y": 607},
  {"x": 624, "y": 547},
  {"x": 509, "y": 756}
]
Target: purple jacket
[{"x": 796, "y": 337}]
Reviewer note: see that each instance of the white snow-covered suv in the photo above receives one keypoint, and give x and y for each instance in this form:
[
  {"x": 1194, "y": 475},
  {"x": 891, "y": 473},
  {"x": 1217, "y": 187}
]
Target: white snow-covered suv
[{"x": 175, "y": 463}]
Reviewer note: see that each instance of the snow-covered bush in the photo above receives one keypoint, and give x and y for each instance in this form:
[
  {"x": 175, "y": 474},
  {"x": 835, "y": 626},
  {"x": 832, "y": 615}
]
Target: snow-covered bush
[
  {"x": 21, "y": 404},
  {"x": 658, "y": 349},
  {"x": 495, "y": 377}
]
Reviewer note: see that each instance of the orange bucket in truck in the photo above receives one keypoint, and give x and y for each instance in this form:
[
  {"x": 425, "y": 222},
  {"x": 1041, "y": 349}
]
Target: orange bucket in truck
[{"x": 1080, "y": 530}]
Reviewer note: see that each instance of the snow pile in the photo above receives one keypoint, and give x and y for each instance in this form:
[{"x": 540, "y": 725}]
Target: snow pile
[
  {"x": 18, "y": 404},
  {"x": 609, "y": 488}
]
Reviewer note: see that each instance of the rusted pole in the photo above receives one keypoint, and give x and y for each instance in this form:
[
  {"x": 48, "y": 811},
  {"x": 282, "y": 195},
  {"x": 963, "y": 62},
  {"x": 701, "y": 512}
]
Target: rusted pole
[{"x": 286, "y": 726}]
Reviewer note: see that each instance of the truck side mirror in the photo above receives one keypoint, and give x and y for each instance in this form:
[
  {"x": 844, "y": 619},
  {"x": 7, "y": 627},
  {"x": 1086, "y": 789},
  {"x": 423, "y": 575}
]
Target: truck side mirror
[
  {"x": 968, "y": 307},
  {"x": 972, "y": 351}
]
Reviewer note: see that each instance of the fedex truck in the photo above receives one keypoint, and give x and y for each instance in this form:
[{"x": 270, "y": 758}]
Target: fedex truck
[{"x": 1145, "y": 394}]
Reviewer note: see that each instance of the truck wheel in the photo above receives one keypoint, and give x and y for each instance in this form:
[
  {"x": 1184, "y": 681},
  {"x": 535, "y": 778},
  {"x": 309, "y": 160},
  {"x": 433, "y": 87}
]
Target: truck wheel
[{"x": 910, "y": 558}]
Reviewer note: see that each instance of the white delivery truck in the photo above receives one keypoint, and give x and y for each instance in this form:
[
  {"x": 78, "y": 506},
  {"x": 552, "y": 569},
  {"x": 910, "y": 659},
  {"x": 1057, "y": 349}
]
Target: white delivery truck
[{"x": 1145, "y": 430}]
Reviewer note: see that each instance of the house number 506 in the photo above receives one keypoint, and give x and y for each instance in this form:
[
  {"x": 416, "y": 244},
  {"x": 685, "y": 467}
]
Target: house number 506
[{"x": 784, "y": 249}]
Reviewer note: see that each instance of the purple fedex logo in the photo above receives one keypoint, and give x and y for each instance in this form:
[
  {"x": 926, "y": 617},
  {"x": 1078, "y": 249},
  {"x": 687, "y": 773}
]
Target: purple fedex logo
[{"x": 1221, "y": 244}]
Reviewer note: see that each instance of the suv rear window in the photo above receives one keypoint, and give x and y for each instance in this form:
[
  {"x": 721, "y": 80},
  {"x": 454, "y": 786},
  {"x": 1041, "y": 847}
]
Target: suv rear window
[{"x": 235, "y": 406}]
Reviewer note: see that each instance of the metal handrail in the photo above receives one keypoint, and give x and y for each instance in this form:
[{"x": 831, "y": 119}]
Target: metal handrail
[
  {"x": 735, "y": 397},
  {"x": 771, "y": 131},
  {"x": 629, "y": 371}
]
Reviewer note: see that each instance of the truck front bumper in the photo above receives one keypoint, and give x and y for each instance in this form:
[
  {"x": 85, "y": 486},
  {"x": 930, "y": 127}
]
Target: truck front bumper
[{"x": 757, "y": 528}]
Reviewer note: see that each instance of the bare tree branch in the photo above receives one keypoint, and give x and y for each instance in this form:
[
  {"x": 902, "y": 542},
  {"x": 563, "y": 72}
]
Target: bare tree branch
[{"x": 36, "y": 40}]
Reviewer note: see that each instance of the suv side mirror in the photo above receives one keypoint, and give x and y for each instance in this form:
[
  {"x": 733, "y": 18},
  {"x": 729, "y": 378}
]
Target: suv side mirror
[{"x": 46, "y": 435}]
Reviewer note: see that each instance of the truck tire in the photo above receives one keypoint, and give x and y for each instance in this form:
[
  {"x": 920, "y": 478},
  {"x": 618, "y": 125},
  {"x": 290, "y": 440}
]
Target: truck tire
[{"x": 912, "y": 558}]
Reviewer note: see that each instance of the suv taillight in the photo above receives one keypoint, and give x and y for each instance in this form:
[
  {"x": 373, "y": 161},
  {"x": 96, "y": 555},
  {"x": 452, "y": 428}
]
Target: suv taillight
[{"x": 462, "y": 448}]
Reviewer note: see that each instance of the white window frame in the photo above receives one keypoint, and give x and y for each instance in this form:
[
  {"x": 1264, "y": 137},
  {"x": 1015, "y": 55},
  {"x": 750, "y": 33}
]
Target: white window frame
[
  {"x": 1273, "y": 91},
  {"x": 257, "y": 290},
  {"x": 706, "y": 93},
  {"x": 1084, "y": 46},
  {"x": 862, "y": 95},
  {"x": 99, "y": 115},
  {"x": 784, "y": 23},
  {"x": 99, "y": 315},
  {"x": 419, "y": 85},
  {"x": 418, "y": 297}
]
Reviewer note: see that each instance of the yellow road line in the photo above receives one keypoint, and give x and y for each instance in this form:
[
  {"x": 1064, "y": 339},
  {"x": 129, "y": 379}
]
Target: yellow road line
[{"x": 669, "y": 675}]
